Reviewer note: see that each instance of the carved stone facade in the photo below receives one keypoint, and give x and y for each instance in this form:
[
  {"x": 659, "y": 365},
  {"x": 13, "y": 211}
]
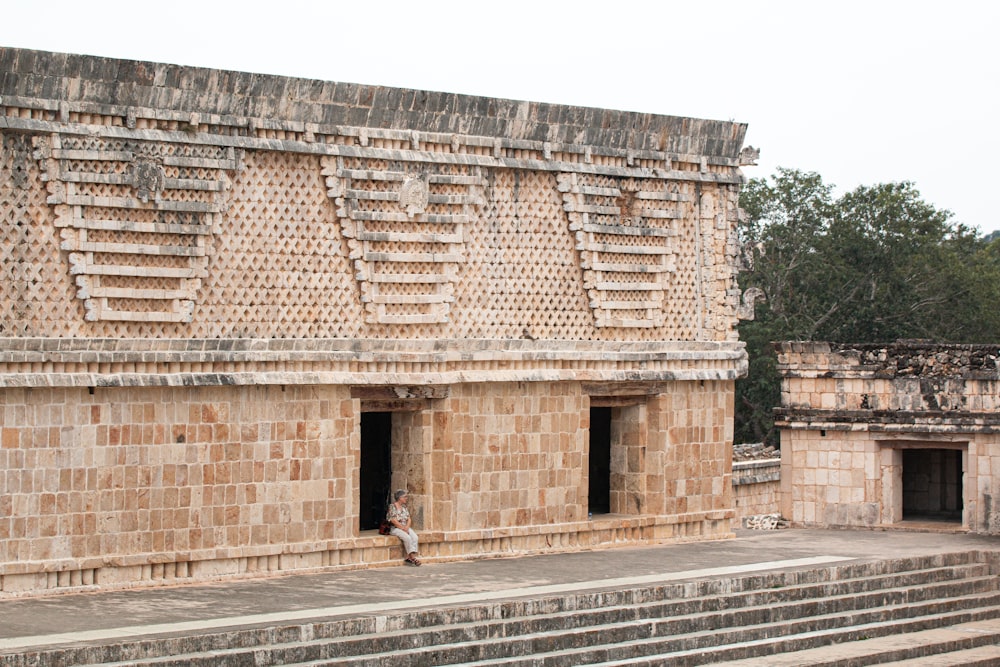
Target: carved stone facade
[
  {"x": 223, "y": 292},
  {"x": 889, "y": 435}
]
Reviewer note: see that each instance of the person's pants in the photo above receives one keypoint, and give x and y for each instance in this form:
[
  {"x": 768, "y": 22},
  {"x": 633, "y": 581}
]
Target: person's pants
[{"x": 409, "y": 539}]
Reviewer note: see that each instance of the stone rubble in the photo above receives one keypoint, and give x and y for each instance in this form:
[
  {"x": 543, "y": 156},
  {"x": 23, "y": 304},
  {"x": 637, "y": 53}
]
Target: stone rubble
[{"x": 756, "y": 451}]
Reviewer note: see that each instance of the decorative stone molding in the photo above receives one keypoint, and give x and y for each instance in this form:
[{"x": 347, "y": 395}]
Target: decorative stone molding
[
  {"x": 756, "y": 472},
  {"x": 641, "y": 160},
  {"x": 50, "y": 362},
  {"x": 413, "y": 195},
  {"x": 147, "y": 176},
  {"x": 137, "y": 220}
]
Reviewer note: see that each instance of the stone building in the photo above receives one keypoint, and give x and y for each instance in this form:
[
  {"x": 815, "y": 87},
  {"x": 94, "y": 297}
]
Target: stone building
[
  {"x": 239, "y": 309},
  {"x": 890, "y": 435}
]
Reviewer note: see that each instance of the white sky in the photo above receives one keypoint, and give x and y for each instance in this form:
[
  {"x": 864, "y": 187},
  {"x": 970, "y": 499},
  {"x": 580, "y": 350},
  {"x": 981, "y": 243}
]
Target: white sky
[{"x": 861, "y": 92}]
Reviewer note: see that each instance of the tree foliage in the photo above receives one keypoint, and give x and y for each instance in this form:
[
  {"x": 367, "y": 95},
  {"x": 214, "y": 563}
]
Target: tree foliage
[{"x": 875, "y": 265}]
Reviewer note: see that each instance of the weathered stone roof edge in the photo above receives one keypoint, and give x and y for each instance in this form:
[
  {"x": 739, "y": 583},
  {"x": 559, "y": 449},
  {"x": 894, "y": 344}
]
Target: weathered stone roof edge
[
  {"x": 100, "y": 80},
  {"x": 901, "y": 359}
]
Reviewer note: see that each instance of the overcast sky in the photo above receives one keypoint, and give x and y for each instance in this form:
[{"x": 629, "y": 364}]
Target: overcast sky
[{"x": 860, "y": 92}]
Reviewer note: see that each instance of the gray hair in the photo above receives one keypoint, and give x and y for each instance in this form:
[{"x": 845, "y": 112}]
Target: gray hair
[{"x": 399, "y": 494}]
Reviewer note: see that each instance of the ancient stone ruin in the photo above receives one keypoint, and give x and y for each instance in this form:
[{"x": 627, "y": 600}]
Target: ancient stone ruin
[
  {"x": 890, "y": 435},
  {"x": 238, "y": 310}
]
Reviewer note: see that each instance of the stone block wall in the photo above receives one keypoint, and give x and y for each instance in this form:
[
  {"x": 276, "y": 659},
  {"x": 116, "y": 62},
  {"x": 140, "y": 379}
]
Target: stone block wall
[
  {"x": 757, "y": 487},
  {"x": 100, "y": 480},
  {"x": 849, "y": 412},
  {"x": 209, "y": 277},
  {"x": 906, "y": 377},
  {"x": 696, "y": 453},
  {"x": 517, "y": 455}
]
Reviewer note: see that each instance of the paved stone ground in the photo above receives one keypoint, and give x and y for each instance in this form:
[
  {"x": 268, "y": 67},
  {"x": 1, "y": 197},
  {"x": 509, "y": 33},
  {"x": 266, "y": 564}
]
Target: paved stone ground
[{"x": 40, "y": 622}]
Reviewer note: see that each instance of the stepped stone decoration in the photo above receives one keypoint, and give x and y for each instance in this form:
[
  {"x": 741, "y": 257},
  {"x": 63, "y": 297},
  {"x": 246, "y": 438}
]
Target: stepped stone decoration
[
  {"x": 405, "y": 225},
  {"x": 625, "y": 230},
  {"x": 137, "y": 219}
]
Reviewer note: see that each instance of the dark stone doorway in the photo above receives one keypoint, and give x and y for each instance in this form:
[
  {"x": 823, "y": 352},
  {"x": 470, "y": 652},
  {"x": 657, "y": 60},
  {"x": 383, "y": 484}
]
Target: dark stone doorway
[
  {"x": 600, "y": 461},
  {"x": 376, "y": 468},
  {"x": 932, "y": 485}
]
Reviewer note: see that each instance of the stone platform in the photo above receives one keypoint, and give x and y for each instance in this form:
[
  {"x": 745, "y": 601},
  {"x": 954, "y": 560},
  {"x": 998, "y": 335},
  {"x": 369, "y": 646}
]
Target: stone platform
[{"x": 253, "y": 616}]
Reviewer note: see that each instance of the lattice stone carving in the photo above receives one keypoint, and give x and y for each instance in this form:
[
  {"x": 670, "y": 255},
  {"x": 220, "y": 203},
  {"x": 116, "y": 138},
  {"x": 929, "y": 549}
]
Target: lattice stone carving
[
  {"x": 625, "y": 230},
  {"x": 405, "y": 226},
  {"x": 137, "y": 219}
]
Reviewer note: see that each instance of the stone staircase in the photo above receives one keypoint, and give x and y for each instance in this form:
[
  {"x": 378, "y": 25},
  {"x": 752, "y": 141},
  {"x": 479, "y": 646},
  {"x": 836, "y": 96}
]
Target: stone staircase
[{"x": 932, "y": 610}]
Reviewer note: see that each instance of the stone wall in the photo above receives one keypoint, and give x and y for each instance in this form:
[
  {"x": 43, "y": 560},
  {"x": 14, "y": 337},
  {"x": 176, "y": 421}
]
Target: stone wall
[
  {"x": 155, "y": 484},
  {"x": 114, "y": 479},
  {"x": 757, "y": 487},
  {"x": 851, "y": 413},
  {"x": 208, "y": 277}
]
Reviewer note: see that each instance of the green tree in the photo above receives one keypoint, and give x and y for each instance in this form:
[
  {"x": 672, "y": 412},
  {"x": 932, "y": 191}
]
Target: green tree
[
  {"x": 782, "y": 222},
  {"x": 876, "y": 265}
]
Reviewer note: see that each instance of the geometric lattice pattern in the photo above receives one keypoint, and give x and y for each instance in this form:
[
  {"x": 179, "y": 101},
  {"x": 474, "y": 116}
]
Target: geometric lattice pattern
[
  {"x": 137, "y": 219},
  {"x": 625, "y": 230},
  {"x": 405, "y": 228},
  {"x": 374, "y": 244},
  {"x": 522, "y": 276},
  {"x": 280, "y": 269},
  {"x": 33, "y": 292}
]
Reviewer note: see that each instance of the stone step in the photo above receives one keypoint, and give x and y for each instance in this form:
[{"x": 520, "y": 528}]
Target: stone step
[
  {"x": 745, "y": 608},
  {"x": 983, "y": 656},
  {"x": 693, "y": 648},
  {"x": 738, "y": 590},
  {"x": 961, "y": 644},
  {"x": 512, "y": 638},
  {"x": 774, "y": 649}
]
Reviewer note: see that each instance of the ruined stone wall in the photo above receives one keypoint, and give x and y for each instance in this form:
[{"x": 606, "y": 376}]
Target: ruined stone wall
[
  {"x": 208, "y": 277},
  {"x": 925, "y": 379},
  {"x": 849, "y": 411}
]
